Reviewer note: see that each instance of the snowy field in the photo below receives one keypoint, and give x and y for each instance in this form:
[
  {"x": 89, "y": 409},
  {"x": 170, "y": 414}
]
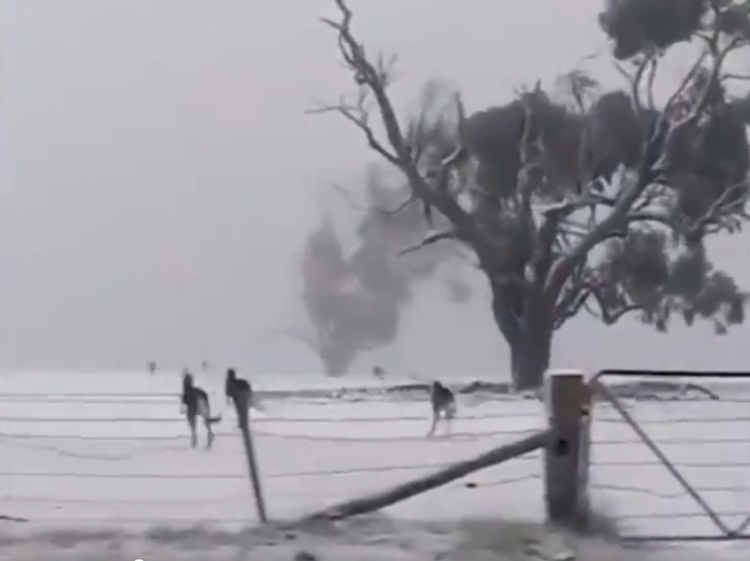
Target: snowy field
[{"x": 90, "y": 451}]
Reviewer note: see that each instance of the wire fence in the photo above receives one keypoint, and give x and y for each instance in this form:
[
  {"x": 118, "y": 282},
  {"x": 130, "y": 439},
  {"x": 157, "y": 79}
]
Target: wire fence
[
  {"x": 139, "y": 468},
  {"x": 705, "y": 442}
]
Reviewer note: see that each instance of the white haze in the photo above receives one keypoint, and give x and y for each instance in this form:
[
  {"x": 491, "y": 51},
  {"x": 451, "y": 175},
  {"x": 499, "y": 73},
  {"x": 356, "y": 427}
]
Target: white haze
[{"x": 158, "y": 176}]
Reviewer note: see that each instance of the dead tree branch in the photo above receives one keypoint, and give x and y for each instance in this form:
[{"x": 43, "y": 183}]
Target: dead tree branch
[
  {"x": 358, "y": 115},
  {"x": 374, "y": 80},
  {"x": 430, "y": 240}
]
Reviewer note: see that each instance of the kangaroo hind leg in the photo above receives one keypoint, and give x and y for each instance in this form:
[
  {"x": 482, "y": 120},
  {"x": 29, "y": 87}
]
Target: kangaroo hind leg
[
  {"x": 433, "y": 426},
  {"x": 193, "y": 434},
  {"x": 205, "y": 413}
]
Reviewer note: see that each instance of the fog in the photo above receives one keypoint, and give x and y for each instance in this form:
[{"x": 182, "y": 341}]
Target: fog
[{"x": 158, "y": 177}]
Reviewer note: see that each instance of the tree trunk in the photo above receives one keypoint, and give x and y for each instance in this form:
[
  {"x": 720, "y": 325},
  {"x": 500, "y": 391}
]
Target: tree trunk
[
  {"x": 526, "y": 322},
  {"x": 530, "y": 359}
]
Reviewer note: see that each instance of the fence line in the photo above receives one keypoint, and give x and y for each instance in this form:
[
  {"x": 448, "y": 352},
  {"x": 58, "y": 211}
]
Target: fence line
[
  {"x": 316, "y": 395},
  {"x": 442, "y": 473},
  {"x": 287, "y": 436},
  {"x": 528, "y": 458},
  {"x": 26, "y": 440},
  {"x": 281, "y": 475},
  {"x": 662, "y": 495},
  {"x": 328, "y": 420},
  {"x": 158, "y": 399},
  {"x": 611, "y": 418},
  {"x": 97, "y": 521},
  {"x": 262, "y": 419},
  {"x": 603, "y": 416},
  {"x": 663, "y": 437},
  {"x": 236, "y": 498},
  {"x": 24, "y": 491},
  {"x": 139, "y": 453},
  {"x": 666, "y": 441},
  {"x": 72, "y": 397}
]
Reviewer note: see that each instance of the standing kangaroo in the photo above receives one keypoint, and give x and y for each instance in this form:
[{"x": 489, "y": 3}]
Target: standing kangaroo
[
  {"x": 239, "y": 388},
  {"x": 443, "y": 403},
  {"x": 195, "y": 404}
]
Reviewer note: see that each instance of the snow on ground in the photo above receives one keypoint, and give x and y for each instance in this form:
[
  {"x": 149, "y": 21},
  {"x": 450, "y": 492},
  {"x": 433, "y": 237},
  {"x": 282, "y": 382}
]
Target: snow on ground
[
  {"x": 128, "y": 458},
  {"x": 114, "y": 451}
]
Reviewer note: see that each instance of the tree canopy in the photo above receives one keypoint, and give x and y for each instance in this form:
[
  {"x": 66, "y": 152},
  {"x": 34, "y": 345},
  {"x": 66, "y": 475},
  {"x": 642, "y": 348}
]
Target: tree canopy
[
  {"x": 598, "y": 203},
  {"x": 354, "y": 299}
]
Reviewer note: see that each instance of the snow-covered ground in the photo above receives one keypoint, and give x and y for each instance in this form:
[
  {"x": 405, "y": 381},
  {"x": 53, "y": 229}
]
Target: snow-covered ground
[{"x": 87, "y": 451}]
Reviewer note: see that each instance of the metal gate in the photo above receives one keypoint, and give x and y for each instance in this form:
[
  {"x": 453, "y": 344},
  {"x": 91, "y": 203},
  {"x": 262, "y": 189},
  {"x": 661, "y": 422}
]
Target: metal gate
[{"x": 710, "y": 418}]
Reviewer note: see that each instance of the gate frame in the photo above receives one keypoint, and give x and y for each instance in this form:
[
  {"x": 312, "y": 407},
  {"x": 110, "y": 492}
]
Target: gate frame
[{"x": 599, "y": 389}]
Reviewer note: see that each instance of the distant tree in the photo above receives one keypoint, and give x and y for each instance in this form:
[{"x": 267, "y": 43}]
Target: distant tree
[
  {"x": 598, "y": 203},
  {"x": 354, "y": 300}
]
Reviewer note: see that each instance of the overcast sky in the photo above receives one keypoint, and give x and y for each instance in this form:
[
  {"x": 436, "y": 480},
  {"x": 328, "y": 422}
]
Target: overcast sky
[{"x": 158, "y": 176}]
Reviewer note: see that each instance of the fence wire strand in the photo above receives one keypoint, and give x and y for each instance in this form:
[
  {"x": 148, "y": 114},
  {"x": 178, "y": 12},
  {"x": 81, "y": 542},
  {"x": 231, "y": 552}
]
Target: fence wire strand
[
  {"x": 653, "y": 416},
  {"x": 213, "y": 475},
  {"x": 133, "y": 448},
  {"x": 260, "y": 420},
  {"x": 706, "y": 441}
]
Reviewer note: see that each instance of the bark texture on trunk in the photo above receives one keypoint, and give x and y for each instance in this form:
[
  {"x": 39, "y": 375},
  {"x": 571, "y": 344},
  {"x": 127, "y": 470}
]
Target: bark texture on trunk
[
  {"x": 525, "y": 319},
  {"x": 530, "y": 359}
]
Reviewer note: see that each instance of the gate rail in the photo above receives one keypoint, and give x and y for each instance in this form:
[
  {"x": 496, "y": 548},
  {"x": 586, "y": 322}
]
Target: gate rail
[{"x": 599, "y": 390}]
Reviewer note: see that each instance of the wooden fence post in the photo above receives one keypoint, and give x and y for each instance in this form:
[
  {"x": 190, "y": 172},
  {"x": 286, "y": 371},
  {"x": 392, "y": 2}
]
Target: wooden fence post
[
  {"x": 566, "y": 456},
  {"x": 242, "y": 406}
]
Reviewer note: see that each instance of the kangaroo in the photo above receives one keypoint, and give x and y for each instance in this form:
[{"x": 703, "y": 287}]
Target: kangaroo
[
  {"x": 236, "y": 388},
  {"x": 443, "y": 403},
  {"x": 195, "y": 404}
]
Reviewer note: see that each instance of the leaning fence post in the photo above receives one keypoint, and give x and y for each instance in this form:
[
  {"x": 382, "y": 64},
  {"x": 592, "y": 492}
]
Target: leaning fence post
[
  {"x": 241, "y": 406},
  {"x": 566, "y": 455}
]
